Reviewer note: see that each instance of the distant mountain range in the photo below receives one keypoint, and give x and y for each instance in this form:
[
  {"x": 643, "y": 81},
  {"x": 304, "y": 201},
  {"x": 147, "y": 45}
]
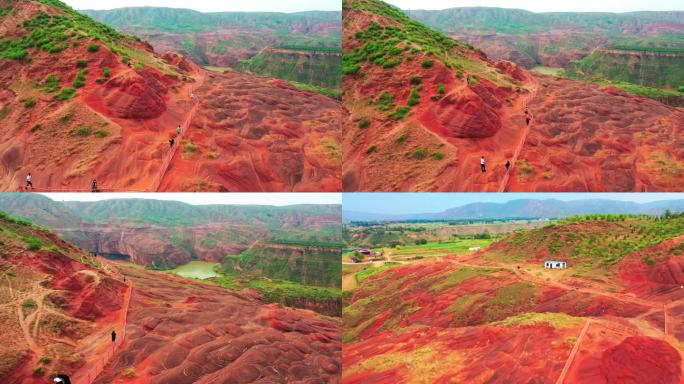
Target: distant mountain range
[
  {"x": 54, "y": 214},
  {"x": 510, "y": 20},
  {"x": 188, "y": 20},
  {"x": 527, "y": 208}
]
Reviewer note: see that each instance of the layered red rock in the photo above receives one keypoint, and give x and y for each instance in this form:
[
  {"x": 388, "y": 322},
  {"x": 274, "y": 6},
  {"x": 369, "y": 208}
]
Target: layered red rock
[{"x": 189, "y": 332}]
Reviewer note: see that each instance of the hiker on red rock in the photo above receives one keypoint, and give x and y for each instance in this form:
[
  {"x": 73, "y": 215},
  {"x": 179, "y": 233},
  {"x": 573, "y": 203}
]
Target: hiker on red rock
[
  {"x": 527, "y": 110},
  {"x": 483, "y": 164},
  {"x": 29, "y": 181},
  {"x": 179, "y": 130},
  {"x": 93, "y": 186},
  {"x": 113, "y": 336},
  {"x": 527, "y": 120},
  {"x": 171, "y": 142},
  {"x": 508, "y": 165}
]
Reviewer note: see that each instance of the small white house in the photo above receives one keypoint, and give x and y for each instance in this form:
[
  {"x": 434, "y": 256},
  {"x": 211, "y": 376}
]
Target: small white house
[
  {"x": 474, "y": 248},
  {"x": 555, "y": 264}
]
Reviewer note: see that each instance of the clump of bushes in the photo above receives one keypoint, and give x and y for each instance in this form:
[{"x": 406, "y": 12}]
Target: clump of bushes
[
  {"x": 79, "y": 81},
  {"x": 81, "y": 64},
  {"x": 420, "y": 153},
  {"x": 441, "y": 88},
  {"x": 82, "y": 131},
  {"x": 414, "y": 98},
  {"x": 50, "y": 84},
  {"x": 30, "y": 102},
  {"x": 385, "y": 102},
  {"x": 416, "y": 80},
  {"x": 364, "y": 122},
  {"x": 32, "y": 243},
  {"x": 371, "y": 149},
  {"x": 400, "y": 113},
  {"x": 427, "y": 63},
  {"x": 92, "y": 48}
]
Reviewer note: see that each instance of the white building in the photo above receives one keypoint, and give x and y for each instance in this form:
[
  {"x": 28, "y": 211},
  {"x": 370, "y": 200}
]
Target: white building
[
  {"x": 474, "y": 248},
  {"x": 555, "y": 264}
]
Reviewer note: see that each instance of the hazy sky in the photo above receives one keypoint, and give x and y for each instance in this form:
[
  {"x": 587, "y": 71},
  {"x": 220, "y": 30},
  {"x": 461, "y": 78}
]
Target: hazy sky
[
  {"x": 402, "y": 203},
  {"x": 210, "y": 198},
  {"x": 548, "y": 6},
  {"x": 216, "y": 6}
]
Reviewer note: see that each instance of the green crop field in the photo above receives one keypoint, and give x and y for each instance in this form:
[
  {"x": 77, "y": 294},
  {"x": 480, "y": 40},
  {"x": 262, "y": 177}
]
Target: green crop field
[{"x": 437, "y": 249}]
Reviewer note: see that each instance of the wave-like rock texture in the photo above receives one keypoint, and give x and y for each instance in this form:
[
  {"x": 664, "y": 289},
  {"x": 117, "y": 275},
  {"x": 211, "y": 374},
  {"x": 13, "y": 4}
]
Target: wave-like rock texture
[
  {"x": 589, "y": 138},
  {"x": 656, "y": 360},
  {"x": 254, "y": 134},
  {"x": 189, "y": 332},
  {"x": 137, "y": 95}
]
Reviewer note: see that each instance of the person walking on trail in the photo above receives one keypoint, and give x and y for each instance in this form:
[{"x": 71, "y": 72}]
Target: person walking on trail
[
  {"x": 508, "y": 165},
  {"x": 29, "y": 181},
  {"x": 171, "y": 142},
  {"x": 527, "y": 120},
  {"x": 179, "y": 130},
  {"x": 113, "y": 337},
  {"x": 483, "y": 164},
  {"x": 93, "y": 186},
  {"x": 527, "y": 110}
]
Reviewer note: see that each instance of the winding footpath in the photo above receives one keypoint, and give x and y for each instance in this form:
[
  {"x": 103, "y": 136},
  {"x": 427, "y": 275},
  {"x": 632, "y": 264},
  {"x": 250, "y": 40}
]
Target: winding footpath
[
  {"x": 521, "y": 144},
  {"x": 179, "y": 138}
]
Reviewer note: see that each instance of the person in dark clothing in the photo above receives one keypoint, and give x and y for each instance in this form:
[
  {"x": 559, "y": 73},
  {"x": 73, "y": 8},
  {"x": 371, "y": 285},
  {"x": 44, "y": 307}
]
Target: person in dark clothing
[
  {"x": 93, "y": 186},
  {"x": 508, "y": 165},
  {"x": 527, "y": 120},
  {"x": 171, "y": 142},
  {"x": 483, "y": 164},
  {"x": 113, "y": 336},
  {"x": 62, "y": 379},
  {"x": 527, "y": 110}
]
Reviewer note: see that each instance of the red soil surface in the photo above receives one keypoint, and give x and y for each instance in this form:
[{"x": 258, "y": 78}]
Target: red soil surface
[
  {"x": 262, "y": 135},
  {"x": 180, "y": 331},
  {"x": 582, "y": 137},
  {"x": 659, "y": 282},
  {"x": 438, "y": 322},
  {"x": 77, "y": 302},
  {"x": 589, "y": 138},
  {"x": 641, "y": 360},
  {"x": 254, "y": 134}
]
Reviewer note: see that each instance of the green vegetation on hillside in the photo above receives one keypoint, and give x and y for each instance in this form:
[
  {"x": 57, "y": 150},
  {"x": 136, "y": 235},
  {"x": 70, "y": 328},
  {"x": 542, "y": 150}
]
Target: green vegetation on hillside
[
  {"x": 373, "y": 270},
  {"x": 593, "y": 241},
  {"x": 55, "y": 33},
  {"x": 329, "y": 92},
  {"x": 317, "y": 69},
  {"x": 654, "y": 71},
  {"x": 320, "y": 267}
]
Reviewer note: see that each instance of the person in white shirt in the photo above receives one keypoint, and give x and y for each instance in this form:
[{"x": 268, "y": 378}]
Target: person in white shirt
[
  {"x": 29, "y": 181},
  {"x": 483, "y": 165}
]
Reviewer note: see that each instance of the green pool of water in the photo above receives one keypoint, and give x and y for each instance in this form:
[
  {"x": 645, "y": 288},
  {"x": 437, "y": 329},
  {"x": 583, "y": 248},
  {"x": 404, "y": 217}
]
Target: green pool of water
[{"x": 197, "y": 270}]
